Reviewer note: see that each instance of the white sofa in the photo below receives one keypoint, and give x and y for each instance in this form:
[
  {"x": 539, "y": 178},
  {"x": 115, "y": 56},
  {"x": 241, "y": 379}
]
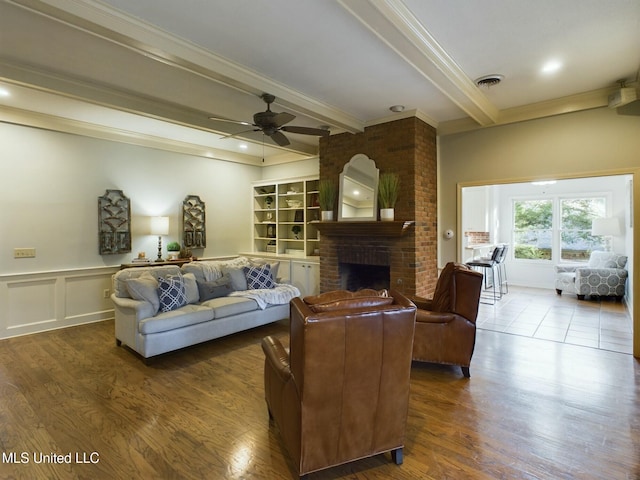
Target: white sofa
[{"x": 218, "y": 302}]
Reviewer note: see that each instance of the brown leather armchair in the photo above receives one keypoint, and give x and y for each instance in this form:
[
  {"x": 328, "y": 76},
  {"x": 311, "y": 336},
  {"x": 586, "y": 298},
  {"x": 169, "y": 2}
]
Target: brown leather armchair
[
  {"x": 446, "y": 324},
  {"x": 342, "y": 391}
]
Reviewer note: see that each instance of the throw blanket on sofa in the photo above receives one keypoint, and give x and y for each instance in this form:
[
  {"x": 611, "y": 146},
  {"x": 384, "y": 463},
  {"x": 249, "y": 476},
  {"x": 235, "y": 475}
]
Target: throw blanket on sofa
[
  {"x": 211, "y": 271},
  {"x": 281, "y": 294}
]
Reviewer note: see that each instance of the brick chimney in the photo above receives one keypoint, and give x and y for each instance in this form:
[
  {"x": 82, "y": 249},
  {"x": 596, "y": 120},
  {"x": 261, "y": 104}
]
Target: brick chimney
[{"x": 406, "y": 147}]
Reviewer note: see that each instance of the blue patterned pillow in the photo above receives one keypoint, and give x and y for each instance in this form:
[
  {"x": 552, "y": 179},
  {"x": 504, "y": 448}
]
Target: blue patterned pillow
[
  {"x": 259, "y": 277},
  {"x": 172, "y": 293}
]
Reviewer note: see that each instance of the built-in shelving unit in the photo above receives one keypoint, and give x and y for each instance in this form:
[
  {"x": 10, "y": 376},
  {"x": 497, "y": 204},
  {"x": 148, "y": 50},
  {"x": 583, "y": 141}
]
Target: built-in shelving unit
[{"x": 283, "y": 212}]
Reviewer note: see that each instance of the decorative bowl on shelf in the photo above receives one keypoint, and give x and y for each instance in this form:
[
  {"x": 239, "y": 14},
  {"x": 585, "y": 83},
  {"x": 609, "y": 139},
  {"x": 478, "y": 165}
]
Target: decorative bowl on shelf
[{"x": 294, "y": 203}]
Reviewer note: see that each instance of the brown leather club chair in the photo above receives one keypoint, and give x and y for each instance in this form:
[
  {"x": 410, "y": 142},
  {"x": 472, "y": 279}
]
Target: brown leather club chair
[
  {"x": 446, "y": 324},
  {"x": 342, "y": 391}
]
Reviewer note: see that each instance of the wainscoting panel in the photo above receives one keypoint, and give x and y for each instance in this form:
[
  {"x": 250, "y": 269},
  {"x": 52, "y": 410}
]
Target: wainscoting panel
[
  {"x": 32, "y": 302},
  {"x": 84, "y": 295},
  {"x": 40, "y": 301}
]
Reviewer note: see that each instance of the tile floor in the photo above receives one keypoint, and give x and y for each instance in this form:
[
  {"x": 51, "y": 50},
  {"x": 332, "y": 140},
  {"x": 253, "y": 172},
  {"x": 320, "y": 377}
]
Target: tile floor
[{"x": 541, "y": 313}]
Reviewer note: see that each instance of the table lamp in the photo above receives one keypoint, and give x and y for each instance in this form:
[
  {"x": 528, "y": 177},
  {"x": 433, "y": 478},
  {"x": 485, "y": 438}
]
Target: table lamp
[
  {"x": 606, "y": 227},
  {"x": 159, "y": 226}
]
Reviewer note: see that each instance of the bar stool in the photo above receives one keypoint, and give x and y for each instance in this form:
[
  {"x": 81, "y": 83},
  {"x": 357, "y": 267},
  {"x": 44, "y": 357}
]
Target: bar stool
[
  {"x": 502, "y": 270},
  {"x": 490, "y": 265}
]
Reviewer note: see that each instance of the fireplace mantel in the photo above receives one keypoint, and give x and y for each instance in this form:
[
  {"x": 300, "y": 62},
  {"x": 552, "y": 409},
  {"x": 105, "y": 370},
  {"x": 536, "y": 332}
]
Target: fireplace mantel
[{"x": 364, "y": 229}]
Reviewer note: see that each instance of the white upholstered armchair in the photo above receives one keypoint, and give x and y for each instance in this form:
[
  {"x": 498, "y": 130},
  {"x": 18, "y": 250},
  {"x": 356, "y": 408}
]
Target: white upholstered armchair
[{"x": 604, "y": 275}]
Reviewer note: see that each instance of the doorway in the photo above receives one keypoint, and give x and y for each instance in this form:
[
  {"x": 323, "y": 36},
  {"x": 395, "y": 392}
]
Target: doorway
[{"x": 488, "y": 210}]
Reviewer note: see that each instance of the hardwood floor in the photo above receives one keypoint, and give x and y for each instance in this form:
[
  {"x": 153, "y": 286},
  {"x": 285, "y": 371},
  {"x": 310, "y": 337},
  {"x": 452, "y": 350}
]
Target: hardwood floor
[{"x": 532, "y": 409}]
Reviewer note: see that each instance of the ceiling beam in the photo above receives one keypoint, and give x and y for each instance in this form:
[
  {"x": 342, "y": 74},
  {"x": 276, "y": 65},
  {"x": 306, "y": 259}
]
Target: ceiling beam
[
  {"x": 102, "y": 95},
  {"x": 126, "y": 31},
  {"x": 66, "y": 125},
  {"x": 570, "y": 104},
  {"x": 396, "y": 26}
]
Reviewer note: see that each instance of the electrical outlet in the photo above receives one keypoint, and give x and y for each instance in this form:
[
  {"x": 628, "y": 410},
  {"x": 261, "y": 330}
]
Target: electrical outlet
[
  {"x": 24, "y": 253},
  {"x": 106, "y": 293}
]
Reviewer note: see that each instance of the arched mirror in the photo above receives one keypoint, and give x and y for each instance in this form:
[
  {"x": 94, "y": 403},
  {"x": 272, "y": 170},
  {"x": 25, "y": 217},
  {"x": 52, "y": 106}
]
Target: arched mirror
[{"x": 358, "y": 190}]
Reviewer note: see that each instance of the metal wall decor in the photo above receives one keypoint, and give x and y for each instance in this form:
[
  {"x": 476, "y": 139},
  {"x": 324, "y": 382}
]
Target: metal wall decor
[
  {"x": 193, "y": 222},
  {"x": 114, "y": 223}
]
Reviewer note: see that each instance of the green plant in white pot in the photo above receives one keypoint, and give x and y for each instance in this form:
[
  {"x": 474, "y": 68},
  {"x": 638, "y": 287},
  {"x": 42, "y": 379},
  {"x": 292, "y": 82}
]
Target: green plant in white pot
[
  {"x": 327, "y": 192},
  {"x": 388, "y": 189},
  {"x": 173, "y": 250}
]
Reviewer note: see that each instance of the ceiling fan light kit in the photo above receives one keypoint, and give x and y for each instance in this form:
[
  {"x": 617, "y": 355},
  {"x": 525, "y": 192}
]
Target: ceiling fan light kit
[{"x": 272, "y": 124}]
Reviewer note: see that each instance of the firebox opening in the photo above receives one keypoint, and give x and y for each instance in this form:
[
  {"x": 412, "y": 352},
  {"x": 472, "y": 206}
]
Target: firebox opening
[{"x": 355, "y": 276}]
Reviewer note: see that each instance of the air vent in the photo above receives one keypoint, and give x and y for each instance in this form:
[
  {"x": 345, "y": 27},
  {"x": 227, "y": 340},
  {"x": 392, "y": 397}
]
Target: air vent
[{"x": 489, "y": 80}]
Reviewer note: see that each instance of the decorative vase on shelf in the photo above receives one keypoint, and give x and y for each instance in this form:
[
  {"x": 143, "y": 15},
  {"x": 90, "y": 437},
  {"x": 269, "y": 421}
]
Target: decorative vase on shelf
[
  {"x": 386, "y": 214},
  {"x": 388, "y": 190},
  {"x": 327, "y": 192}
]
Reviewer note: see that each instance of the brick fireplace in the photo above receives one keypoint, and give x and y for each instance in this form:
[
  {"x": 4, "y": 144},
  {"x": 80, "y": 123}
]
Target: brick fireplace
[
  {"x": 364, "y": 268},
  {"x": 406, "y": 147}
]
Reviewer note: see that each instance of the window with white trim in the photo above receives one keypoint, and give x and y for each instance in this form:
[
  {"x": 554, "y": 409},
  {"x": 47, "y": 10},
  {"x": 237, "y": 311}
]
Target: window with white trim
[
  {"x": 576, "y": 215},
  {"x": 557, "y": 229},
  {"x": 532, "y": 229}
]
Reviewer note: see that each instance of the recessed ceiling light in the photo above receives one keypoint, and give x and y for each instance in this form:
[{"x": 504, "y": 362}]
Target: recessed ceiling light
[
  {"x": 4, "y": 92},
  {"x": 397, "y": 108},
  {"x": 243, "y": 146},
  {"x": 551, "y": 66}
]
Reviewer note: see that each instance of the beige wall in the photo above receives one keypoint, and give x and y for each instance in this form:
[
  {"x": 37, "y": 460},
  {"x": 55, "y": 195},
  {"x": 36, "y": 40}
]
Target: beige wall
[
  {"x": 53, "y": 181},
  {"x": 300, "y": 168},
  {"x": 577, "y": 144},
  {"x": 592, "y": 142}
]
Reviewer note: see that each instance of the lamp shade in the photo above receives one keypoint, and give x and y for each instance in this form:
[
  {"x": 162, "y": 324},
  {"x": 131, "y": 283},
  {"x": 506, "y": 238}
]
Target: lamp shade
[
  {"x": 159, "y": 225},
  {"x": 605, "y": 226}
]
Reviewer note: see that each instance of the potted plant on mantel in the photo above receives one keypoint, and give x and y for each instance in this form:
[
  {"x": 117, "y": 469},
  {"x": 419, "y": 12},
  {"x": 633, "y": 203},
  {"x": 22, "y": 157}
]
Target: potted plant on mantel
[
  {"x": 173, "y": 250},
  {"x": 388, "y": 189},
  {"x": 327, "y": 199}
]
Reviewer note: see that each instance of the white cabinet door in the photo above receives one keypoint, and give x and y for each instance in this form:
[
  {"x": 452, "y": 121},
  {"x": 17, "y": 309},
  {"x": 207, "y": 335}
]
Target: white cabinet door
[
  {"x": 475, "y": 209},
  {"x": 306, "y": 276}
]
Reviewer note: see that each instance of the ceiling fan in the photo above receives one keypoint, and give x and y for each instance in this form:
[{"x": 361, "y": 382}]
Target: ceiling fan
[{"x": 272, "y": 124}]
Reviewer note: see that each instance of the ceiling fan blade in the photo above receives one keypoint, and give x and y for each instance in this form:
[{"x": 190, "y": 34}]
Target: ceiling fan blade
[
  {"x": 220, "y": 119},
  {"x": 240, "y": 133},
  {"x": 280, "y": 139},
  {"x": 281, "y": 118},
  {"x": 307, "y": 131}
]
